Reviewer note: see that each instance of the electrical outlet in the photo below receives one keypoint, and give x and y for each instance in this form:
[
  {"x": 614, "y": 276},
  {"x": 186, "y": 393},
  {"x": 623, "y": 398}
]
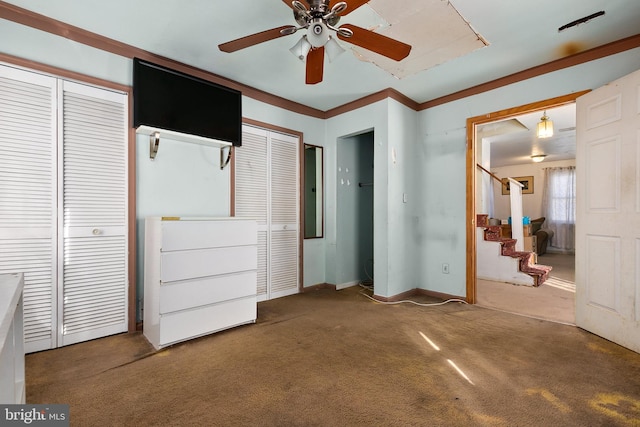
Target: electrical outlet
[{"x": 445, "y": 268}]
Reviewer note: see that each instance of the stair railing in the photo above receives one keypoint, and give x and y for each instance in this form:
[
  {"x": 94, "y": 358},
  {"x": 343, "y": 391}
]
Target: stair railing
[{"x": 515, "y": 198}]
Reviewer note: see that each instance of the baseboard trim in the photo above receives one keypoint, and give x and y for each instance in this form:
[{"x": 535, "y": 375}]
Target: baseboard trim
[
  {"x": 417, "y": 292},
  {"x": 318, "y": 287},
  {"x": 347, "y": 285}
]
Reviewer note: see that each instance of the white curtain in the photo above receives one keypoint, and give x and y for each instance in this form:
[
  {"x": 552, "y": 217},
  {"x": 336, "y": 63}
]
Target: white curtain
[{"x": 559, "y": 205}]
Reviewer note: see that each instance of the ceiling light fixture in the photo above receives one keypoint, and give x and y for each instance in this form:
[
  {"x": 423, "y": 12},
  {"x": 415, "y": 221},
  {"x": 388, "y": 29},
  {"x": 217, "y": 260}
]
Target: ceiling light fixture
[
  {"x": 301, "y": 49},
  {"x": 333, "y": 49},
  {"x": 545, "y": 127},
  {"x": 538, "y": 158}
]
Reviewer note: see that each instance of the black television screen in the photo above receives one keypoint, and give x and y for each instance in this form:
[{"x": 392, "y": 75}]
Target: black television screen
[{"x": 168, "y": 99}]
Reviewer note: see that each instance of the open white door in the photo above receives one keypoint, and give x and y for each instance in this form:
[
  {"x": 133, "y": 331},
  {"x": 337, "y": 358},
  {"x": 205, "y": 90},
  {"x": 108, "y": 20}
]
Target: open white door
[{"x": 608, "y": 212}]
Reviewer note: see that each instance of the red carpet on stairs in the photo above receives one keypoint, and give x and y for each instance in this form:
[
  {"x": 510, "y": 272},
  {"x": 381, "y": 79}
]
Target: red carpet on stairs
[{"x": 527, "y": 265}]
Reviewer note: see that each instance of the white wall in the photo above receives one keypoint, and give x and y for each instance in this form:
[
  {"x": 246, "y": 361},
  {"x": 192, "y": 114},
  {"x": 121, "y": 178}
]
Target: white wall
[{"x": 531, "y": 203}]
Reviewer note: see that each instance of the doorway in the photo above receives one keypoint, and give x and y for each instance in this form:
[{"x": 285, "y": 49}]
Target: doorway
[
  {"x": 354, "y": 223},
  {"x": 475, "y": 203}
]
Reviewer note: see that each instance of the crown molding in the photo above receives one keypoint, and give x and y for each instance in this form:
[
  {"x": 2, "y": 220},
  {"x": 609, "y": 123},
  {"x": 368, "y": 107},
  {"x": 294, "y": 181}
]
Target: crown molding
[{"x": 44, "y": 23}]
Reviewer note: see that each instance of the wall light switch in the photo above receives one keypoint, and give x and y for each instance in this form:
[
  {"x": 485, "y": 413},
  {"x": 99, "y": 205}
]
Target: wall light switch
[{"x": 405, "y": 198}]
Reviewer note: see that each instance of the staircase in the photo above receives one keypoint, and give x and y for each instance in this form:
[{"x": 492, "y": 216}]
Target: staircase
[{"x": 508, "y": 265}]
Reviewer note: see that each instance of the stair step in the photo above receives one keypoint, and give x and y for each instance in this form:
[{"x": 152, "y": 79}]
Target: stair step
[
  {"x": 482, "y": 220},
  {"x": 526, "y": 263}
]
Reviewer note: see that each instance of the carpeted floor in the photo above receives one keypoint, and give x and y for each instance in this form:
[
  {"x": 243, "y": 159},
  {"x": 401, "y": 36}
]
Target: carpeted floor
[
  {"x": 336, "y": 358},
  {"x": 553, "y": 301}
]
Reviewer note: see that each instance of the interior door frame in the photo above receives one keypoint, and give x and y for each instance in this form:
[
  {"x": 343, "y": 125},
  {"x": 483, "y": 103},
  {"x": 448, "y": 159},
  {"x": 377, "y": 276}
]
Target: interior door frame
[{"x": 472, "y": 124}]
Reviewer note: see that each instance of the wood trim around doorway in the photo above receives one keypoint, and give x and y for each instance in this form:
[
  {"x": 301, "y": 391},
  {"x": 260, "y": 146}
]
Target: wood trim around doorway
[{"x": 472, "y": 123}]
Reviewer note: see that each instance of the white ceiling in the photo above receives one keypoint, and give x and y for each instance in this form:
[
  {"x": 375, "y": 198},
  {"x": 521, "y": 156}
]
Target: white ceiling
[
  {"x": 520, "y": 35},
  {"x": 514, "y": 141}
]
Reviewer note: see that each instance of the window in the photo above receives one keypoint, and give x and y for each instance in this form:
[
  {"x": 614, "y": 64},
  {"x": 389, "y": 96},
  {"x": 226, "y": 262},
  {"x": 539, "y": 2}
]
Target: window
[{"x": 559, "y": 205}]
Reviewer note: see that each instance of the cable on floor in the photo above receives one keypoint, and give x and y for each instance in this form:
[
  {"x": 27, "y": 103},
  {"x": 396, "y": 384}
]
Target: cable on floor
[{"x": 413, "y": 302}]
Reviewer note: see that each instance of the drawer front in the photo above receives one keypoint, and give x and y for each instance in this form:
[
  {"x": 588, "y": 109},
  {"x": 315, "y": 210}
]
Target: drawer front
[
  {"x": 188, "y": 324},
  {"x": 181, "y": 235},
  {"x": 193, "y": 264},
  {"x": 210, "y": 290}
]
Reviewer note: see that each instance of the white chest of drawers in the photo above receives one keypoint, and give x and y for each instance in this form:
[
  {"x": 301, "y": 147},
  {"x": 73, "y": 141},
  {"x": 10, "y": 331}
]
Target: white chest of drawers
[{"x": 199, "y": 277}]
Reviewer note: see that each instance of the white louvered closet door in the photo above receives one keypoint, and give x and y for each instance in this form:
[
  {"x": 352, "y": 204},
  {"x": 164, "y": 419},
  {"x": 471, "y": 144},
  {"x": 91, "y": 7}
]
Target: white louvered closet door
[
  {"x": 266, "y": 177},
  {"x": 28, "y": 196},
  {"x": 93, "y": 221}
]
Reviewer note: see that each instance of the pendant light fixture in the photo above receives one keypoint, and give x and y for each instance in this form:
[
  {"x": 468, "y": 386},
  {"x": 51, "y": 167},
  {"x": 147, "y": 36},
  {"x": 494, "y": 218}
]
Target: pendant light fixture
[{"x": 545, "y": 127}]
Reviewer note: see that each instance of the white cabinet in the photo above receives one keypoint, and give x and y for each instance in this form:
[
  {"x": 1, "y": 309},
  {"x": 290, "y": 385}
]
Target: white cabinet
[
  {"x": 200, "y": 277},
  {"x": 11, "y": 339}
]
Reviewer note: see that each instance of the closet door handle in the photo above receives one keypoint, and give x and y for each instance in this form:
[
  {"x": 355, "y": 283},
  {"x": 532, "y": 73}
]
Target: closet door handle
[{"x": 96, "y": 232}]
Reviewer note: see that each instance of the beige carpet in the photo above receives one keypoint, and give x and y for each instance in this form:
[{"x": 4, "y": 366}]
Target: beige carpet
[
  {"x": 336, "y": 358},
  {"x": 553, "y": 301}
]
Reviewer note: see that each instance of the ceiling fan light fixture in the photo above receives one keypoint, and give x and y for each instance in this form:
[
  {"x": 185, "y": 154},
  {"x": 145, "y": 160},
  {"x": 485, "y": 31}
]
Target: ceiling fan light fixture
[
  {"x": 333, "y": 49},
  {"x": 545, "y": 127},
  {"x": 318, "y": 34},
  {"x": 301, "y": 49},
  {"x": 538, "y": 158}
]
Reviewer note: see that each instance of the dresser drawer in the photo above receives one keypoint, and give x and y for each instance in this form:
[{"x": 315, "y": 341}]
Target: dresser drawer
[
  {"x": 188, "y": 324},
  {"x": 198, "y": 263},
  {"x": 180, "y": 235},
  {"x": 177, "y": 296}
]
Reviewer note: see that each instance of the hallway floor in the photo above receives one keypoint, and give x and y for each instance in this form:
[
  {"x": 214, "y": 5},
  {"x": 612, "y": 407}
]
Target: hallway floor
[{"x": 553, "y": 301}]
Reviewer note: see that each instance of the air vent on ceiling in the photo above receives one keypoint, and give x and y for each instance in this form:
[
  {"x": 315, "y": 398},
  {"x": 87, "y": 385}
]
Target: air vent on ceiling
[{"x": 581, "y": 21}]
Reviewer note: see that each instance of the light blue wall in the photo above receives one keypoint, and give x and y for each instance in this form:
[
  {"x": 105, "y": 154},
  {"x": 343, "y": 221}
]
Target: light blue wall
[
  {"x": 28, "y": 43},
  {"x": 370, "y": 118},
  {"x": 395, "y": 128},
  {"x": 403, "y": 185},
  {"x": 412, "y": 239},
  {"x": 183, "y": 180},
  {"x": 354, "y": 210},
  {"x": 442, "y": 161}
]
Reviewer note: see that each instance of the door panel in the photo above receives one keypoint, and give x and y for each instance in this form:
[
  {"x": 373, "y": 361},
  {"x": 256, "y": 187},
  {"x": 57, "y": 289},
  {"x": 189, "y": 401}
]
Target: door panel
[
  {"x": 93, "y": 290},
  {"x": 267, "y": 170},
  {"x": 28, "y": 197},
  {"x": 608, "y": 213}
]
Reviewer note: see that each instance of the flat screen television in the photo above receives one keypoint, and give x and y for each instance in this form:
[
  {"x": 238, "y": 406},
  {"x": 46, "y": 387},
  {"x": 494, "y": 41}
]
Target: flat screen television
[{"x": 171, "y": 100}]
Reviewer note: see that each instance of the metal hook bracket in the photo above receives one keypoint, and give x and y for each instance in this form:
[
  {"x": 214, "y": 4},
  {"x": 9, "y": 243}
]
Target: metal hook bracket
[
  {"x": 223, "y": 162},
  {"x": 154, "y": 143}
]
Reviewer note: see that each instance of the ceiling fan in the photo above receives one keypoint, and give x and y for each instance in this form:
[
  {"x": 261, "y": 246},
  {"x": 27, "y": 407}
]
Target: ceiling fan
[{"x": 319, "y": 19}]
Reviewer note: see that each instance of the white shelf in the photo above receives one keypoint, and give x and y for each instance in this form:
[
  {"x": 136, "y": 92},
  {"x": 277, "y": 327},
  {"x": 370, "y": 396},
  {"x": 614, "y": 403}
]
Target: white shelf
[{"x": 184, "y": 137}]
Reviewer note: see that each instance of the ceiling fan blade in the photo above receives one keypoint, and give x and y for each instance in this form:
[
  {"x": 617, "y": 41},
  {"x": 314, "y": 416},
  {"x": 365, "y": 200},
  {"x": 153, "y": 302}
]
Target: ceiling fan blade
[
  {"x": 353, "y": 5},
  {"x": 315, "y": 65},
  {"x": 253, "y": 39},
  {"x": 377, "y": 43}
]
